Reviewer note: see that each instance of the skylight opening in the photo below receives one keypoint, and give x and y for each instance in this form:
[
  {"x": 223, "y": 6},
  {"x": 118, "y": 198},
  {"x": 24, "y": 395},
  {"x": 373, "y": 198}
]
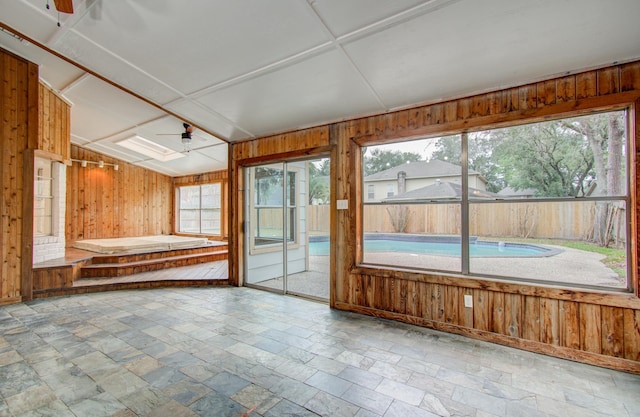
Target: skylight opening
[{"x": 148, "y": 148}]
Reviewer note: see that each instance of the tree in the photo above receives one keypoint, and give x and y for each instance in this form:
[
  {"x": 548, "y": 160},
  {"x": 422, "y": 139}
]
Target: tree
[
  {"x": 560, "y": 158},
  {"x": 480, "y": 146},
  {"x": 547, "y": 157},
  {"x": 380, "y": 160},
  {"x": 318, "y": 185}
]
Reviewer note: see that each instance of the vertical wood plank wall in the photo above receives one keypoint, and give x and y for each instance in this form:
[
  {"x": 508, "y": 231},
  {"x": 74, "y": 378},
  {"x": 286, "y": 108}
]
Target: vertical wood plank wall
[
  {"x": 54, "y": 132},
  {"x": 589, "y": 326},
  {"x": 207, "y": 178},
  {"x": 104, "y": 203},
  {"x": 19, "y": 128}
]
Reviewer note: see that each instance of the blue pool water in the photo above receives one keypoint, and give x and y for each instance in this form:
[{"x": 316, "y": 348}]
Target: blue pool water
[{"x": 435, "y": 245}]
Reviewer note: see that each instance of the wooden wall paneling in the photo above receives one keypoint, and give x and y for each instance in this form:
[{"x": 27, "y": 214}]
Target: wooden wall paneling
[
  {"x": 612, "y": 331},
  {"x": 451, "y": 300},
  {"x": 481, "y": 312},
  {"x": 630, "y": 77},
  {"x": 513, "y": 313},
  {"x": 608, "y": 81},
  {"x": 531, "y": 318},
  {"x": 566, "y": 89},
  {"x": 496, "y": 311},
  {"x": 466, "y": 314},
  {"x": 402, "y": 122},
  {"x": 401, "y": 294},
  {"x": 357, "y": 290},
  {"x": 426, "y": 301},
  {"x": 586, "y": 85},
  {"x": 19, "y": 125},
  {"x": 104, "y": 203},
  {"x": 510, "y": 100},
  {"x": 527, "y": 97},
  {"x": 549, "y": 321},
  {"x": 590, "y": 328},
  {"x": 569, "y": 324},
  {"x": 413, "y": 298},
  {"x": 432, "y": 115},
  {"x": 546, "y": 93},
  {"x": 494, "y": 103},
  {"x": 8, "y": 283},
  {"x": 480, "y": 105},
  {"x": 453, "y": 110},
  {"x": 632, "y": 334},
  {"x": 438, "y": 302},
  {"x": 11, "y": 272},
  {"x": 54, "y": 127}
]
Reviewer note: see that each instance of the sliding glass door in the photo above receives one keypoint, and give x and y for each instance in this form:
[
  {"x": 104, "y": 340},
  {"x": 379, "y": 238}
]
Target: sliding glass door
[{"x": 286, "y": 212}]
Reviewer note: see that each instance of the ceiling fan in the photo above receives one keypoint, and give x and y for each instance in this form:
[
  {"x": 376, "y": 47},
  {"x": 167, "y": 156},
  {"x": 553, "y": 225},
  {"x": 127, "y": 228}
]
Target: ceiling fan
[
  {"x": 63, "y": 6},
  {"x": 185, "y": 136}
]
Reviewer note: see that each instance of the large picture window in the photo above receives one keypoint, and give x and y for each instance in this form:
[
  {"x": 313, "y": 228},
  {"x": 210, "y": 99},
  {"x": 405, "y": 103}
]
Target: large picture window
[
  {"x": 199, "y": 209},
  {"x": 541, "y": 202}
]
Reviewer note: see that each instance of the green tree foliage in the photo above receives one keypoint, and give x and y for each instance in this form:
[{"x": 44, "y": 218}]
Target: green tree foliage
[
  {"x": 318, "y": 183},
  {"x": 561, "y": 158},
  {"x": 547, "y": 157},
  {"x": 449, "y": 149},
  {"x": 380, "y": 160}
]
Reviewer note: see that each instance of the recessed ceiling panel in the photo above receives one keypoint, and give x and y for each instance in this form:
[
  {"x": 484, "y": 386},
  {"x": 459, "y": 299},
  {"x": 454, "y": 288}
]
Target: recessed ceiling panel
[
  {"x": 320, "y": 89},
  {"x": 192, "y": 45},
  {"x": 106, "y": 149},
  {"x": 342, "y": 17},
  {"x": 219, "y": 153},
  {"x": 194, "y": 163},
  {"x": 102, "y": 62},
  {"x": 208, "y": 119},
  {"x": 113, "y": 100},
  {"x": 473, "y": 46}
]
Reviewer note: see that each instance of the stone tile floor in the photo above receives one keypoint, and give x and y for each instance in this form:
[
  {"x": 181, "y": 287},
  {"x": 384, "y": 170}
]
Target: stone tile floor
[{"x": 222, "y": 351}]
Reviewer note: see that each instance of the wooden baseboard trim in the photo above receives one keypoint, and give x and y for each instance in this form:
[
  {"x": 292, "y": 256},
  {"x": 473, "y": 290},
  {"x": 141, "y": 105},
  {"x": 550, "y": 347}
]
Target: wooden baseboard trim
[{"x": 619, "y": 364}]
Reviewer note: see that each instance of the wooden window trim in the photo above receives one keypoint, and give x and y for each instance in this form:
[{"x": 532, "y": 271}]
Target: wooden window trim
[{"x": 627, "y": 100}]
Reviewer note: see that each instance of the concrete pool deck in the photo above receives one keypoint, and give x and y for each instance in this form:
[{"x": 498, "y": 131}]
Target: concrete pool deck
[{"x": 571, "y": 266}]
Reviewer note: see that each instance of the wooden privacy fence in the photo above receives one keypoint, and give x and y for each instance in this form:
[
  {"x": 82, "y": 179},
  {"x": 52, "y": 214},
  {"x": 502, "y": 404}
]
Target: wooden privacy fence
[{"x": 572, "y": 220}]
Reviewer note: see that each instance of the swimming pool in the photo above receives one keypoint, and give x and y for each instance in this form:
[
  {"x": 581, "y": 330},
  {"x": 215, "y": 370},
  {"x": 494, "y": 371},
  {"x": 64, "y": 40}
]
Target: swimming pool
[{"x": 437, "y": 245}]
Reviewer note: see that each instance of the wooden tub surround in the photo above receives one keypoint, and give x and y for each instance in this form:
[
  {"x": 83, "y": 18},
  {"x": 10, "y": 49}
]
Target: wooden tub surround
[
  {"x": 73, "y": 274},
  {"x": 591, "y": 326}
]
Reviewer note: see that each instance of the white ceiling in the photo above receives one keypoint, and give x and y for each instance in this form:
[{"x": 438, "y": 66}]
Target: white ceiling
[{"x": 239, "y": 69}]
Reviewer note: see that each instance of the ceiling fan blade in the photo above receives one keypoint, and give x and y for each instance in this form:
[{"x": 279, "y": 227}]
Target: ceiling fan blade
[{"x": 64, "y": 6}]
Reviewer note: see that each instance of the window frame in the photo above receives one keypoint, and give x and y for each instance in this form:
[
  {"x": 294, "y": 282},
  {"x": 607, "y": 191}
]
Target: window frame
[
  {"x": 179, "y": 209},
  {"x": 48, "y": 197},
  {"x": 293, "y": 214},
  {"x": 632, "y": 110}
]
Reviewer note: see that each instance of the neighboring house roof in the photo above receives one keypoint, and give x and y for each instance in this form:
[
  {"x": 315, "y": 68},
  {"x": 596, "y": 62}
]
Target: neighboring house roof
[
  {"x": 441, "y": 190},
  {"x": 420, "y": 169},
  {"x": 512, "y": 192}
]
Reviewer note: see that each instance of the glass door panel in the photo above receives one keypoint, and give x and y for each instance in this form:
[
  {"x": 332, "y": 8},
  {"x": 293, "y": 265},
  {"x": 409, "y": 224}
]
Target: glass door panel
[
  {"x": 287, "y": 233},
  {"x": 265, "y": 229}
]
